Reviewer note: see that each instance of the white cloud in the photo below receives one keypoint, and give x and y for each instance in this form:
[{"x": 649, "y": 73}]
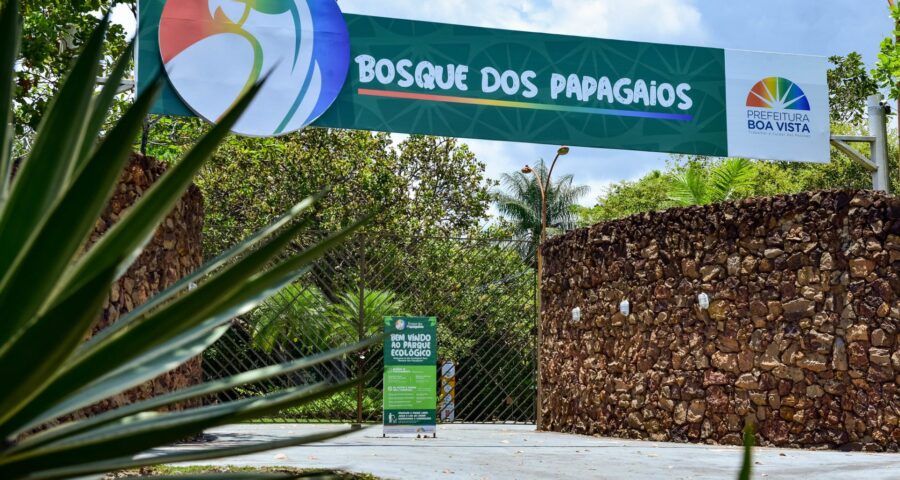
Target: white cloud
[
  {"x": 594, "y": 167},
  {"x": 672, "y": 21}
]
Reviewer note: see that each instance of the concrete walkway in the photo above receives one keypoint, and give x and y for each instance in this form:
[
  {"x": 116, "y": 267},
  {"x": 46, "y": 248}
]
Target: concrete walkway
[{"x": 518, "y": 452}]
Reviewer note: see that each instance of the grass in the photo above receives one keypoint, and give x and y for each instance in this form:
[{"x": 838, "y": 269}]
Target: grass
[
  {"x": 338, "y": 408},
  {"x": 166, "y": 470}
]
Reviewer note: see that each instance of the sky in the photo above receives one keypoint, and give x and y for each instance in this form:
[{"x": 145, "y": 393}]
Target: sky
[{"x": 811, "y": 27}]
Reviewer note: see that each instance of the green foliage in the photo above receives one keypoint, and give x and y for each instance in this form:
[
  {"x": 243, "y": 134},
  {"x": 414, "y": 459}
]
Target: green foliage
[
  {"x": 423, "y": 186},
  {"x": 51, "y": 292},
  {"x": 303, "y": 315},
  {"x": 288, "y": 315},
  {"x": 887, "y": 71},
  {"x": 520, "y": 203},
  {"x": 766, "y": 178},
  {"x": 355, "y": 315},
  {"x": 629, "y": 197},
  {"x": 342, "y": 402},
  {"x": 849, "y": 85},
  {"x": 722, "y": 182},
  {"x": 478, "y": 287},
  {"x": 55, "y": 29}
]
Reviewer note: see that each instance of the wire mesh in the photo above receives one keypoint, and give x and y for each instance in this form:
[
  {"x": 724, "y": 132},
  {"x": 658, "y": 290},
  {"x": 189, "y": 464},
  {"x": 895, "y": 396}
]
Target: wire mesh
[{"x": 480, "y": 290}]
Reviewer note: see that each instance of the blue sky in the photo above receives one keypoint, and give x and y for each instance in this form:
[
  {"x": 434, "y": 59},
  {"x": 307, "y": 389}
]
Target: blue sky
[{"x": 813, "y": 27}]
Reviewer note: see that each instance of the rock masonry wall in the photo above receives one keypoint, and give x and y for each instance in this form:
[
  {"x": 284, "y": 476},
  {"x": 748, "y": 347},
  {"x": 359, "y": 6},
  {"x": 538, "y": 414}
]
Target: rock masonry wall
[
  {"x": 175, "y": 251},
  {"x": 801, "y": 338}
]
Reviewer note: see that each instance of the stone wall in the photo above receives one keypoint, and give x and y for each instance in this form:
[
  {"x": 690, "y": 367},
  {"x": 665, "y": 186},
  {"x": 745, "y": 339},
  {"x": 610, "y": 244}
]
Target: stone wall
[
  {"x": 801, "y": 339},
  {"x": 174, "y": 252}
]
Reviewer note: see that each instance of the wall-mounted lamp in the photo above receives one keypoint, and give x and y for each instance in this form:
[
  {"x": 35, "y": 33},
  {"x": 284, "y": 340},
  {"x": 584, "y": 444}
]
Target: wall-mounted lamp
[
  {"x": 625, "y": 308},
  {"x": 703, "y": 301},
  {"x": 576, "y": 314}
]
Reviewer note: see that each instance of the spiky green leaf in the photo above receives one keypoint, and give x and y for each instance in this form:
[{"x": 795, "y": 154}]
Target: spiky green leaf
[
  {"x": 237, "y": 251},
  {"x": 196, "y": 392},
  {"x": 126, "y": 462},
  {"x": 9, "y": 39},
  {"x": 127, "y": 238},
  {"x": 77, "y": 312},
  {"x": 31, "y": 277},
  {"x": 46, "y": 173},
  {"x": 132, "y": 435},
  {"x": 101, "y": 105}
]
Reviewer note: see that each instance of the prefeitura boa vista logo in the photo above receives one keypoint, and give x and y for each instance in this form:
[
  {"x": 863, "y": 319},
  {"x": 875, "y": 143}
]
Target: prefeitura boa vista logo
[
  {"x": 778, "y": 106},
  {"x": 214, "y": 50}
]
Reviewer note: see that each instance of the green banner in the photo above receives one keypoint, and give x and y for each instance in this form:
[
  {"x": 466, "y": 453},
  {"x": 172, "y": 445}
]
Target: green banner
[
  {"x": 531, "y": 87},
  {"x": 330, "y": 69},
  {"x": 493, "y": 84},
  {"x": 410, "y": 375}
]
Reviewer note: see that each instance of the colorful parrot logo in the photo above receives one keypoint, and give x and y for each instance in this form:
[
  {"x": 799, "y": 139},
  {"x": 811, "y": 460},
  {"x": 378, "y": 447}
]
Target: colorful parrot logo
[{"x": 215, "y": 50}]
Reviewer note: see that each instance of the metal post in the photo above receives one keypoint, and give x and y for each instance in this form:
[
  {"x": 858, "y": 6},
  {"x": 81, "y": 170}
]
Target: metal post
[
  {"x": 544, "y": 186},
  {"x": 878, "y": 129},
  {"x": 361, "y": 333},
  {"x": 539, "y": 397}
]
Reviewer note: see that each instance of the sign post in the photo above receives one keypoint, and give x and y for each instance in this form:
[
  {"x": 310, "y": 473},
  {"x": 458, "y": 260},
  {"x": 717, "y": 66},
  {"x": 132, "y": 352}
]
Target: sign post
[
  {"x": 410, "y": 375},
  {"x": 448, "y": 392}
]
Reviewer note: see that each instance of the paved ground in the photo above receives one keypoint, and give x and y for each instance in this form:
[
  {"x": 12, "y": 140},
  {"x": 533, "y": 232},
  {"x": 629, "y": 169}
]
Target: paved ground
[{"x": 518, "y": 452}]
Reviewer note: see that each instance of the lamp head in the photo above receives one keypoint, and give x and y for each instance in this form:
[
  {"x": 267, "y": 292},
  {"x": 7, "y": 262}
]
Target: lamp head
[
  {"x": 527, "y": 169},
  {"x": 564, "y": 150}
]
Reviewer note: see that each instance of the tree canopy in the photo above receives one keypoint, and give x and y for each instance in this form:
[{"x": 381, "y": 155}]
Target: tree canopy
[
  {"x": 54, "y": 30},
  {"x": 421, "y": 186}
]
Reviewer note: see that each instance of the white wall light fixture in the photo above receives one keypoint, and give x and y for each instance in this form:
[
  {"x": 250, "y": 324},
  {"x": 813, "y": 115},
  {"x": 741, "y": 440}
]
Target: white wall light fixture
[
  {"x": 625, "y": 308},
  {"x": 703, "y": 301}
]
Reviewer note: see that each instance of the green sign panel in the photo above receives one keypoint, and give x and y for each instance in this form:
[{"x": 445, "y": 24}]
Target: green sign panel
[
  {"x": 329, "y": 69},
  {"x": 440, "y": 79},
  {"x": 410, "y": 375}
]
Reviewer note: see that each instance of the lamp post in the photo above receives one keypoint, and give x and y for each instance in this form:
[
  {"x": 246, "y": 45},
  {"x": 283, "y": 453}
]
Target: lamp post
[{"x": 543, "y": 186}]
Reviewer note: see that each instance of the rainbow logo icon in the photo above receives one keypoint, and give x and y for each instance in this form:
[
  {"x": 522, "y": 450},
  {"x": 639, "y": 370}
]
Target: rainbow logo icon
[
  {"x": 215, "y": 50},
  {"x": 777, "y": 93}
]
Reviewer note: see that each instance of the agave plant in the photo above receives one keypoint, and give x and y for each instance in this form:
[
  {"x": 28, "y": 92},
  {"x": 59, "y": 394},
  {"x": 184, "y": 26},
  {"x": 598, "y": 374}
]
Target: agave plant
[{"x": 51, "y": 292}]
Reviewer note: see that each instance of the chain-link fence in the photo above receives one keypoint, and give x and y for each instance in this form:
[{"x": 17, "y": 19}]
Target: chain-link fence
[{"x": 480, "y": 290}]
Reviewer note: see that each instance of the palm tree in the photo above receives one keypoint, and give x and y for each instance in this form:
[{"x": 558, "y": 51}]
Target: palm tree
[
  {"x": 352, "y": 316},
  {"x": 520, "y": 203},
  {"x": 698, "y": 186},
  {"x": 295, "y": 315}
]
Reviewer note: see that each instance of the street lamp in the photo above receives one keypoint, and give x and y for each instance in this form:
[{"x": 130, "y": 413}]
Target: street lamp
[{"x": 543, "y": 186}]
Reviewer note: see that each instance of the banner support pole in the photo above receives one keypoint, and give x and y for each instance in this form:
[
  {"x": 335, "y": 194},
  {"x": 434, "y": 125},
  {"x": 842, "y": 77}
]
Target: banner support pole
[
  {"x": 876, "y": 162},
  {"x": 878, "y": 129}
]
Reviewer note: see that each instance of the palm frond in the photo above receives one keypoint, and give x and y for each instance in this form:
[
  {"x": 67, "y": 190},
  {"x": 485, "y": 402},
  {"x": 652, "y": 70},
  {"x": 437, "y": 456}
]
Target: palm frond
[
  {"x": 689, "y": 187},
  {"x": 520, "y": 203},
  {"x": 731, "y": 175}
]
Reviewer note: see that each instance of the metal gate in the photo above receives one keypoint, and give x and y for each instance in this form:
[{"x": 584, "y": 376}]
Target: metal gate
[{"x": 480, "y": 289}]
